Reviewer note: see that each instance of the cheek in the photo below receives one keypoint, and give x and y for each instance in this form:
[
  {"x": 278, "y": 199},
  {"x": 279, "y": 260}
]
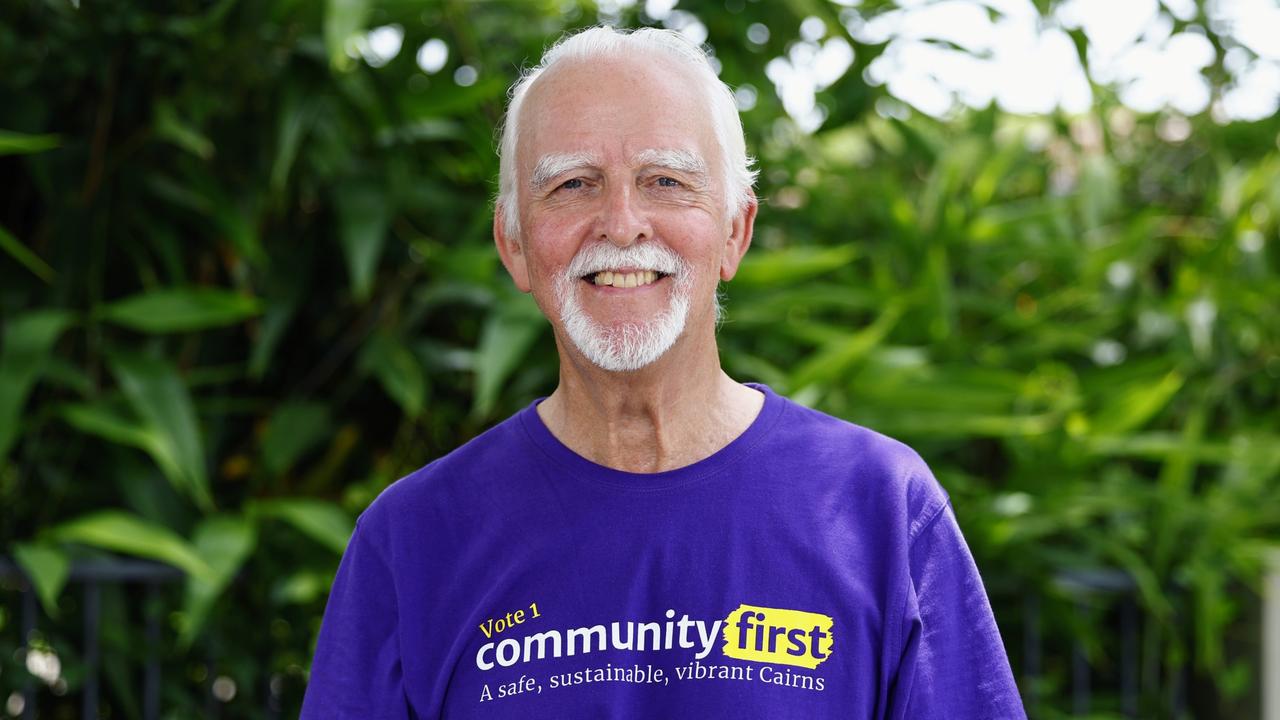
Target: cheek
[
  {"x": 552, "y": 245},
  {"x": 699, "y": 242}
]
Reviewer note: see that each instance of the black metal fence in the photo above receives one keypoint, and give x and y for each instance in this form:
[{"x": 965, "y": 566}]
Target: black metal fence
[
  {"x": 91, "y": 575},
  {"x": 1083, "y": 592}
]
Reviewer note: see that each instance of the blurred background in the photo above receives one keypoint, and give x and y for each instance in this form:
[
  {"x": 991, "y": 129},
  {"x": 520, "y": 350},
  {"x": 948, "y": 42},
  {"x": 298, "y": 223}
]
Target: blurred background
[{"x": 247, "y": 281}]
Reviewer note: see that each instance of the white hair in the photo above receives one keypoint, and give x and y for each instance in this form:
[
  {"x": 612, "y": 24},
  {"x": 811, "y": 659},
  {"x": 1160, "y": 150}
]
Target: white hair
[{"x": 603, "y": 41}]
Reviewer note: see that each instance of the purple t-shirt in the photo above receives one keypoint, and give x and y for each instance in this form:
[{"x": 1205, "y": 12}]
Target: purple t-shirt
[{"x": 809, "y": 569}]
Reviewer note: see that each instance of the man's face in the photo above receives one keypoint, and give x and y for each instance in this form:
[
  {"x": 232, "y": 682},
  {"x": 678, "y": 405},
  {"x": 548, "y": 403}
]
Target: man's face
[{"x": 623, "y": 225}]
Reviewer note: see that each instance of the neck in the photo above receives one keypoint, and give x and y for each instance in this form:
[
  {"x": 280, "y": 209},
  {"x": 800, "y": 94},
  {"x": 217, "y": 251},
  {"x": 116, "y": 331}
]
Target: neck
[{"x": 680, "y": 409}]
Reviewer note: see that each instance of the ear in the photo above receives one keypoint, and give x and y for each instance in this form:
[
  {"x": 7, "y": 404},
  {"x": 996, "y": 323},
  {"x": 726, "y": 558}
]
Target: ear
[
  {"x": 740, "y": 229},
  {"x": 509, "y": 249}
]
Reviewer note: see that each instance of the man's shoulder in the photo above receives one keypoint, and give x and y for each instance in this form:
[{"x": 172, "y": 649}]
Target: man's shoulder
[
  {"x": 837, "y": 438},
  {"x": 882, "y": 464}
]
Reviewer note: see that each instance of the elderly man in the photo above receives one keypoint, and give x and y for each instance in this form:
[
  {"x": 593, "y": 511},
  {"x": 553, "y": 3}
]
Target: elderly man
[{"x": 654, "y": 539}]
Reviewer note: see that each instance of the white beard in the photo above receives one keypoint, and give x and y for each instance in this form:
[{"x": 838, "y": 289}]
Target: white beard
[{"x": 630, "y": 346}]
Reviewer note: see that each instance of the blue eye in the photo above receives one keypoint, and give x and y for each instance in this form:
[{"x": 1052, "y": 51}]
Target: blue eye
[
  {"x": 665, "y": 181},
  {"x": 573, "y": 184}
]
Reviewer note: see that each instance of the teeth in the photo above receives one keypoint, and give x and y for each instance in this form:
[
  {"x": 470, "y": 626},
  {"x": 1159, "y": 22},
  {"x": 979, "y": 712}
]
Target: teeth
[{"x": 625, "y": 280}]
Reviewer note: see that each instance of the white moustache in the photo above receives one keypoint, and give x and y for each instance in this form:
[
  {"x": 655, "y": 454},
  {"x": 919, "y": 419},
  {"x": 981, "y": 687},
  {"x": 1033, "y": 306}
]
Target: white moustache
[{"x": 602, "y": 256}]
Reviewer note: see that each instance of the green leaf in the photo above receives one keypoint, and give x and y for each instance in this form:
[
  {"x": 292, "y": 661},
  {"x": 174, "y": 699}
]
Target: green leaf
[
  {"x": 1099, "y": 190},
  {"x": 294, "y": 428},
  {"x": 836, "y": 358},
  {"x": 504, "y": 343},
  {"x": 109, "y": 422},
  {"x": 126, "y": 533},
  {"x": 181, "y": 309},
  {"x": 25, "y": 257},
  {"x": 161, "y": 400},
  {"x": 224, "y": 542},
  {"x": 272, "y": 328},
  {"x": 946, "y": 389},
  {"x": 1157, "y": 446},
  {"x": 321, "y": 521},
  {"x": 948, "y": 424},
  {"x": 48, "y": 567},
  {"x": 342, "y": 20},
  {"x": 397, "y": 370},
  {"x": 1131, "y": 406},
  {"x": 62, "y": 373},
  {"x": 302, "y": 587},
  {"x": 364, "y": 212},
  {"x": 295, "y": 118},
  {"x": 16, "y": 143},
  {"x": 28, "y": 340},
  {"x": 168, "y": 126},
  {"x": 778, "y": 268}
]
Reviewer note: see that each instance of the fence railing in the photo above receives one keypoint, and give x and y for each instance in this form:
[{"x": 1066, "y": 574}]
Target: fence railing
[
  {"x": 91, "y": 575},
  {"x": 1083, "y": 589}
]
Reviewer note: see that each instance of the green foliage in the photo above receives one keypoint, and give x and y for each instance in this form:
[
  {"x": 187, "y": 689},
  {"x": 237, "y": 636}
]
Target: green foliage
[
  {"x": 318, "y": 520},
  {"x": 508, "y": 333},
  {"x": 247, "y": 281},
  {"x": 28, "y": 341},
  {"x": 127, "y": 533},
  {"x": 47, "y": 567},
  {"x": 180, "y": 310},
  {"x": 13, "y": 143},
  {"x": 225, "y": 542}
]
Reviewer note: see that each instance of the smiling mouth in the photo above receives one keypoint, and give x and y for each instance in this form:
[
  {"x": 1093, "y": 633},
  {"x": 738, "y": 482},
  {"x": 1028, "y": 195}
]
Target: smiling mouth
[{"x": 624, "y": 280}]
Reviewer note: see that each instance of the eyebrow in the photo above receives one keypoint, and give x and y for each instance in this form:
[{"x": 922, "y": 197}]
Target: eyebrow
[
  {"x": 551, "y": 166},
  {"x": 680, "y": 160}
]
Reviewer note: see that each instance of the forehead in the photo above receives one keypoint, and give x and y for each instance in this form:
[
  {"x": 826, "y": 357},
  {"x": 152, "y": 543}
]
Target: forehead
[{"x": 614, "y": 108}]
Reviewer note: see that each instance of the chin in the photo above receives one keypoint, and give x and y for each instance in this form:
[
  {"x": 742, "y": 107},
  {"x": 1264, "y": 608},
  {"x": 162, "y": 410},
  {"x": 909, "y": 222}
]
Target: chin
[{"x": 625, "y": 347}]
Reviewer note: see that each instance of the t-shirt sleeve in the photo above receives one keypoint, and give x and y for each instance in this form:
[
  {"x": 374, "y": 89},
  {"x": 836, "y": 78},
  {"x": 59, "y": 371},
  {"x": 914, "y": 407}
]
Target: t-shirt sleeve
[
  {"x": 356, "y": 671},
  {"x": 953, "y": 662}
]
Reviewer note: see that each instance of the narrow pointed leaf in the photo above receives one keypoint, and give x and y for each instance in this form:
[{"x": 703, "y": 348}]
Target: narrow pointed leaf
[
  {"x": 398, "y": 371},
  {"x": 181, "y": 309},
  {"x": 321, "y": 521},
  {"x": 28, "y": 341},
  {"x": 294, "y": 429},
  {"x": 129, "y": 534},
  {"x": 363, "y": 214},
  {"x": 836, "y": 358},
  {"x": 48, "y": 567},
  {"x": 224, "y": 542},
  {"x": 342, "y": 19},
  {"x": 169, "y": 126},
  {"x": 780, "y": 268},
  {"x": 161, "y": 401},
  {"x": 1132, "y": 406},
  {"x": 16, "y": 143},
  {"x": 25, "y": 256},
  {"x": 302, "y": 587},
  {"x": 504, "y": 342}
]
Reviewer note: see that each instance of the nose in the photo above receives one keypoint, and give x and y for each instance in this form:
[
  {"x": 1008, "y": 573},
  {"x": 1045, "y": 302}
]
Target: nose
[{"x": 623, "y": 221}]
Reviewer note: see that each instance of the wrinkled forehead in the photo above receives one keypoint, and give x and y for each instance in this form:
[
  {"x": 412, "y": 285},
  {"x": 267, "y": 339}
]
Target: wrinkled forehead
[{"x": 615, "y": 106}]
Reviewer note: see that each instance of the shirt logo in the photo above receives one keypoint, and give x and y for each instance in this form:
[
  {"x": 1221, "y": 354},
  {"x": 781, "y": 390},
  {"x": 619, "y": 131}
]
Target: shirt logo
[{"x": 778, "y": 635}]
